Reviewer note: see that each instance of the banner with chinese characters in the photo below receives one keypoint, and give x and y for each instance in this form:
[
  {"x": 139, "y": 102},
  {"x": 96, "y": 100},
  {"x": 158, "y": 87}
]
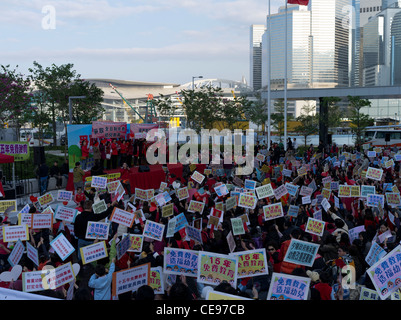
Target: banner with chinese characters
[
  {"x": 215, "y": 268},
  {"x": 156, "y": 281},
  {"x": 136, "y": 243},
  {"x": 122, "y": 217},
  {"x": 273, "y": 211},
  {"x": 196, "y": 206},
  {"x": 130, "y": 279},
  {"x": 16, "y": 254},
  {"x": 265, "y": 191},
  {"x": 301, "y": 252},
  {"x": 288, "y": 287},
  {"x": 94, "y": 252},
  {"x": 251, "y": 263},
  {"x": 108, "y": 129},
  {"x": 15, "y": 233},
  {"x": 315, "y": 226},
  {"x": 374, "y": 173},
  {"x": 64, "y": 195},
  {"x": 182, "y": 193},
  {"x": 46, "y": 199},
  {"x": 247, "y": 201},
  {"x": 48, "y": 279},
  {"x": 99, "y": 182},
  {"x": 153, "y": 230},
  {"x": 62, "y": 246},
  {"x": 386, "y": 273},
  {"x": 42, "y": 221},
  {"x": 65, "y": 213},
  {"x": 237, "y": 226},
  {"x": 198, "y": 177},
  {"x": 97, "y": 230},
  {"x": 180, "y": 262},
  {"x": 19, "y": 150}
]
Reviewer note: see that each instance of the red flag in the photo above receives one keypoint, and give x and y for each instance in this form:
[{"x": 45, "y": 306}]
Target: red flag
[{"x": 300, "y": 2}]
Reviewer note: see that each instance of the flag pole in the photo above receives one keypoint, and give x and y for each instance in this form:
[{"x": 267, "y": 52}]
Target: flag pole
[
  {"x": 285, "y": 79},
  {"x": 268, "y": 83}
]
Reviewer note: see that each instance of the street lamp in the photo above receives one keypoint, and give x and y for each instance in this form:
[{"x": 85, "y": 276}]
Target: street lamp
[
  {"x": 70, "y": 105},
  {"x": 193, "y": 83}
]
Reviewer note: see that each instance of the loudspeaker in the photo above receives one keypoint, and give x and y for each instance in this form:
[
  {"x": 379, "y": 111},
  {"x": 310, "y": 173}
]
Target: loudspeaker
[
  {"x": 329, "y": 139},
  {"x": 39, "y": 155},
  {"x": 387, "y": 139},
  {"x": 143, "y": 169},
  {"x": 9, "y": 193}
]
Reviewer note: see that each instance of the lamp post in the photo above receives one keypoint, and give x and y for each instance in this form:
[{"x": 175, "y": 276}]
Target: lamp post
[
  {"x": 70, "y": 105},
  {"x": 193, "y": 82}
]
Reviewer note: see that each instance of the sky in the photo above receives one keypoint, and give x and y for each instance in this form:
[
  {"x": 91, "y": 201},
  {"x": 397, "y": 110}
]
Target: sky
[{"x": 167, "y": 41}]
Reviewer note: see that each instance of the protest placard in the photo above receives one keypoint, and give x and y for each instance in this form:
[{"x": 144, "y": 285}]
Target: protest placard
[
  {"x": 65, "y": 213},
  {"x": 293, "y": 211},
  {"x": 273, "y": 211},
  {"x": 386, "y": 273},
  {"x": 136, "y": 241},
  {"x": 393, "y": 199},
  {"x": 4, "y": 204},
  {"x": 198, "y": 177},
  {"x": 344, "y": 191},
  {"x": 354, "y": 232},
  {"x": 180, "y": 262},
  {"x": 93, "y": 252},
  {"x": 264, "y": 191},
  {"x": 231, "y": 203},
  {"x": 365, "y": 190},
  {"x": 305, "y": 191},
  {"x": 32, "y": 253},
  {"x": 97, "y": 230},
  {"x": 193, "y": 233},
  {"x": 156, "y": 281},
  {"x": 196, "y": 206},
  {"x": 130, "y": 279},
  {"x": 123, "y": 246},
  {"x": 182, "y": 193},
  {"x": 368, "y": 294},
  {"x": 280, "y": 191},
  {"x": 355, "y": 191},
  {"x": 112, "y": 186},
  {"x": 237, "y": 226},
  {"x": 16, "y": 254},
  {"x": 213, "y": 295},
  {"x": 141, "y": 194},
  {"x": 374, "y": 173},
  {"x": 153, "y": 230},
  {"x": 251, "y": 263},
  {"x": 301, "y": 252},
  {"x": 306, "y": 200},
  {"x": 215, "y": 268},
  {"x": 291, "y": 189},
  {"x": 99, "y": 182},
  {"x": 376, "y": 252},
  {"x": 48, "y": 279},
  {"x": 46, "y": 199},
  {"x": 375, "y": 200},
  {"x": 99, "y": 207},
  {"x": 64, "y": 195},
  {"x": 167, "y": 210},
  {"x": 15, "y": 233},
  {"x": 315, "y": 226},
  {"x": 42, "y": 221},
  {"x": 122, "y": 217},
  {"x": 288, "y": 287},
  {"x": 249, "y": 184},
  {"x": 62, "y": 246},
  {"x": 247, "y": 201}
]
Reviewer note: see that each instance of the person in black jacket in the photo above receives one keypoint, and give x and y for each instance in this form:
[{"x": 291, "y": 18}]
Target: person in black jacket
[
  {"x": 55, "y": 172},
  {"x": 81, "y": 223}
]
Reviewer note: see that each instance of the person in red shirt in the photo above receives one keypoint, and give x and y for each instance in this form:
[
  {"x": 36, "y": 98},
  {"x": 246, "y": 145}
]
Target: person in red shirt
[
  {"x": 79, "y": 196},
  {"x": 123, "y": 152},
  {"x": 84, "y": 154},
  {"x": 125, "y": 173},
  {"x": 324, "y": 287},
  {"x": 114, "y": 154}
]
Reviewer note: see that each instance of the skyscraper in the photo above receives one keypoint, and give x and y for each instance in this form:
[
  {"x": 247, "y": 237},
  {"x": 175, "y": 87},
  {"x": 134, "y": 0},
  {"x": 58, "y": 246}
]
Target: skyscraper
[{"x": 255, "y": 72}]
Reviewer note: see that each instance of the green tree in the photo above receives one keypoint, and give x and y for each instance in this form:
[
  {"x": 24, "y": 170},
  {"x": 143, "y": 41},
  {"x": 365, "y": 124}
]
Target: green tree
[
  {"x": 56, "y": 84},
  {"x": 309, "y": 122},
  {"x": 15, "y": 98},
  {"x": 277, "y": 118},
  {"x": 255, "y": 110},
  {"x": 358, "y": 120}
]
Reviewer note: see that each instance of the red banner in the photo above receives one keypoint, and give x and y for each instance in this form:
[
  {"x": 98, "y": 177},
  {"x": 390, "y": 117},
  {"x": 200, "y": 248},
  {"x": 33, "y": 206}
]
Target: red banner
[
  {"x": 109, "y": 129},
  {"x": 300, "y": 2},
  {"x": 139, "y": 130}
]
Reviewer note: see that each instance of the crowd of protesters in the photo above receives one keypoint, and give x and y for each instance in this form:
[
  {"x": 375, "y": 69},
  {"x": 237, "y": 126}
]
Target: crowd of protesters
[{"x": 335, "y": 250}]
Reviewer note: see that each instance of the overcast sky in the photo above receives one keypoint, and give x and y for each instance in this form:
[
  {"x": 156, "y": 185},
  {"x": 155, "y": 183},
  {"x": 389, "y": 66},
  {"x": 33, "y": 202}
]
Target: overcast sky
[{"x": 142, "y": 40}]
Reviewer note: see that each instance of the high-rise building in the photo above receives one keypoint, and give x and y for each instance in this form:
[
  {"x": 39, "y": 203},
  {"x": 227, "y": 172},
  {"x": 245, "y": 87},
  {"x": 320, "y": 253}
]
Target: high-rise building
[
  {"x": 381, "y": 40},
  {"x": 255, "y": 73}
]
